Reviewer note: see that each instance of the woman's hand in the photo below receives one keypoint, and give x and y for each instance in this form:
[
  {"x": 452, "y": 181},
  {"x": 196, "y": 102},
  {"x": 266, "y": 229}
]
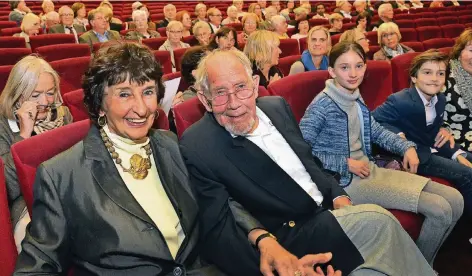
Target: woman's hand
[
  {"x": 274, "y": 78},
  {"x": 359, "y": 168},
  {"x": 27, "y": 116},
  {"x": 178, "y": 98}
]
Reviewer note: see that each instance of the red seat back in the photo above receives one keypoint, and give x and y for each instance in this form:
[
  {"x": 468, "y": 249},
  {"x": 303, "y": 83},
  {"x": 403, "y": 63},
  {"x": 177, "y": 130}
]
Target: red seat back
[
  {"x": 7, "y": 24},
  {"x": 63, "y": 51},
  {"x": 10, "y": 56},
  {"x": 4, "y": 74},
  {"x": 164, "y": 59},
  {"x": 74, "y": 100},
  {"x": 10, "y": 31},
  {"x": 465, "y": 18},
  {"x": 446, "y": 50},
  {"x": 71, "y": 71},
  {"x": 12, "y": 42},
  {"x": 289, "y": 47},
  {"x": 422, "y": 22},
  {"x": 447, "y": 20},
  {"x": 452, "y": 30},
  {"x": 425, "y": 33},
  {"x": 415, "y": 45},
  {"x": 377, "y": 83},
  {"x": 50, "y": 39},
  {"x": 178, "y": 54},
  {"x": 27, "y": 155},
  {"x": 286, "y": 62},
  {"x": 335, "y": 39},
  {"x": 409, "y": 34},
  {"x": 162, "y": 31},
  {"x": 236, "y": 26},
  {"x": 183, "y": 85},
  {"x": 405, "y": 23},
  {"x": 154, "y": 43},
  {"x": 187, "y": 113},
  {"x": 400, "y": 66},
  {"x": 303, "y": 46},
  {"x": 299, "y": 90},
  {"x": 8, "y": 252},
  {"x": 438, "y": 43},
  {"x": 372, "y": 37},
  {"x": 191, "y": 40}
]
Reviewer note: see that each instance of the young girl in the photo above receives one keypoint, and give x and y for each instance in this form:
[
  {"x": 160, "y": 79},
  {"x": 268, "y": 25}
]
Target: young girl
[{"x": 340, "y": 130}]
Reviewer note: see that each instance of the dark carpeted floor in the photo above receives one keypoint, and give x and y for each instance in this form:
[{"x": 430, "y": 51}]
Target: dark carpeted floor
[{"x": 455, "y": 256}]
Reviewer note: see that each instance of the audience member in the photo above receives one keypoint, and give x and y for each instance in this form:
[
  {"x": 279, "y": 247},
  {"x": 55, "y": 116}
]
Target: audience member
[
  {"x": 315, "y": 57},
  {"x": 286, "y": 214},
  {"x": 224, "y": 39},
  {"x": 290, "y": 6},
  {"x": 416, "y": 4},
  {"x": 436, "y": 4},
  {"x": 67, "y": 25},
  {"x": 263, "y": 4},
  {"x": 459, "y": 91},
  {"x": 169, "y": 14},
  {"x": 29, "y": 27},
  {"x": 279, "y": 25},
  {"x": 184, "y": 18},
  {"x": 267, "y": 23},
  {"x": 360, "y": 6},
  {"x": 202, "y": 32},
  {"x": 402, "y": 5},
  {"x": 107, "y": 7},
  {"x": 385, "y": 14},
  {"x": 276, "y": 5},
  {"x": 344, "y": 8},
  {"x": 363, "y": 22},
  {"x": 18, "y": 11},
  {"x": 239, "y": 6},
  {"x": 336, "y": 24},
  {"x": 300, "y": 14},
  {"x": 249, "y": 21},
  {"x": 111, "y": 23},
  {"x": 389, "y": 37},
  {"x": 99, "y": 31},
  {"x": 52, "y": 19},
  {"x": 301, "y": 29},
  {"x": 338, "y": 119},
  {"x": 141, "y": 28},
  {"x": 46, "y": 6},
  {"x": 320, "y": 12},
  {"x": 214, "y": 19},
  {"x": 391, "y": 2},
  {"x": 151, "y": 25},
  {"x": 200, "y": 12},
  {"x": 232, "y": 17},
  {"x": 356, "y": 36},
  {"x": 414, "y": 114},
  {"x": 30, "y": 104},
  {"x": 262, "y": 49},
  {"x": 256, "y": 8},
  {"x": 80, "y": 14},
  {"x": 111, "y": 181},
  {"x": 174, "y": 32}
]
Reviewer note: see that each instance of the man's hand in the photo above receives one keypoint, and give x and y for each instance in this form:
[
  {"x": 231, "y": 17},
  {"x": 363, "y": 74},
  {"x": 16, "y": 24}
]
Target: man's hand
[
  {"x": 341, "y": 202},
  {"x": 402, "y": 135},
  {"x": 461, "y": 159},
  {"x": 309, "y": 261},
  {"x": 275, "y": 257},
  {"x": 359, "y": 168},
  {"x": 442, "y": 137},
  {"x": 410, "y": 160}
]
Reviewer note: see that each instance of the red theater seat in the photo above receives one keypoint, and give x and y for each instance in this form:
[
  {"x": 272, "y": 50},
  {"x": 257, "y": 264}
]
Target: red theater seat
[
  {"x": 154, "y": 43},
  {"x": 452, "y": 30},
  {"x": 303, "y": 46},
  {"x": 405, "y": 23},
  {"x": 191, "y": 40},
  {"x": 377, "y": 83},
  {"x": 415, "y": 45},
  {"x": 289, "y": 47},
  {"x": 187, "y": 113},
  {"x": 400, "y": 66},
  {"x": 10, "y": 56},
  {"x": 425, "y": 33},
  {"x": 411, "y": 222},
  {"x": 236, "y": 26},
  {"x": 8, "y": 252},
  {"x": 63, "y": 51},
  {"x": 178, "y": 54},
  {"x": 372, "y": 37},
  {"x": 335, "y": 39},
  {"x": 50, "y": 39},
  {"x": 286, "y": 62},
  {"x": 446, "y": 50},
  {"x": 465, "y": 18},
  {"x": 7, "y": 24},
  {"x": 10, "y": 31},
  {"x": 12, "y": 42},
  {"x": 164, "y": 59},
  {"x": 421, "y": 22},
  {"x": 74, "y": 100},
  {"x": 4, "y": 73},
  {"x": 408, "y": 34},
  {"x": 436, "y": 43},
  {"x": 447, "y": 20},
  {"x": 71, "y": 71}
]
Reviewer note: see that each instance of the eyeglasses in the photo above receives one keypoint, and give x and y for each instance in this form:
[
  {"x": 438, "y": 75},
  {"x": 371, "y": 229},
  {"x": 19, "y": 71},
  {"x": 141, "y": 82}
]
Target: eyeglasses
[
  {"x": 387, "y": 35},
  {"x": 218, "y": 15},
  {"x": 242, "y": 92},
  {"x": 175, "y": 32},
  {"x": 67, "y": 14}
]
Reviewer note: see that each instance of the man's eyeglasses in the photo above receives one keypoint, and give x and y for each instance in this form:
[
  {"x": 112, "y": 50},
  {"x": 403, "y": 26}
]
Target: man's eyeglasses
[
  {"x": 241, "y": 92},
  {"x": 218, "y": 15},
  {"x": 67, "y": 14}
]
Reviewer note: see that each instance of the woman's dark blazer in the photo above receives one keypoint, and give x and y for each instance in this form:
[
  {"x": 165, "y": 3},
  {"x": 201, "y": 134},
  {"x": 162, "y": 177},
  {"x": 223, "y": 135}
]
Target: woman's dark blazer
[{"x": 84, "y": 216}]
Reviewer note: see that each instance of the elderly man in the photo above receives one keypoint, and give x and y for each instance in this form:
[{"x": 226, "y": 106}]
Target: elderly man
[
  {"x": 300, "y": 14},
  {"x": 279, "y": 25},
  {"x": 264, "y": 200},
  {"x": 99, "y": 31},
  {"x": 270, "y": 12},
  {"x": 18, "y": 11},
  {"x": 52, "y": 18},
  {"x": 67, "y": 25},
  {"x": 169, "y": 13},
  {"x": 214, "y": 19},
  {"x": 385, "y": 14},
  {"x": 344, "y": 8},
  {"x": 360, "y": 6}
]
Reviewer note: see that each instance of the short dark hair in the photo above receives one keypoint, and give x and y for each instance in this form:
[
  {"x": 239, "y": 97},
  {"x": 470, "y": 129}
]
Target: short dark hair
[
  {"x": 223, "y": 31},
  {"x": 76, "y": 7},
  {"x": 115, "y": 63},
  {"x": 14, "y": 4},
  {"x": 297, "y": 24},
  {"x": 363, "y": 15},
  {"x": 431, "y": 55},
  {"x": 190, "y": 61},
  {"x": 461, "y": 42},
  {"x": 344, "y": 47}
]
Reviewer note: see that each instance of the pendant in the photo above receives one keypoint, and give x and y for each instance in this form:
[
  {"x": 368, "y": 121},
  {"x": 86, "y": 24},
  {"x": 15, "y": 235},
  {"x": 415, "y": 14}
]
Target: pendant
[{"x": 139, "y": 166}]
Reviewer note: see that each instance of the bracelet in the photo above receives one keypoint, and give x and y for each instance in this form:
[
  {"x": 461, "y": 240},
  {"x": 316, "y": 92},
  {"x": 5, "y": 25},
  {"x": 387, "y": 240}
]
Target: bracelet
[{"x": 263, "y": 236}]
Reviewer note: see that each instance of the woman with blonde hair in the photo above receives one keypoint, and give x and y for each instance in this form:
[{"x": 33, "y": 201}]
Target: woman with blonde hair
[
  {"x": 250, "y": 22},
  {"x": 389, "y": 37},
  {"x": 174, "y": 32},
  {"x": 30, "y": 104},
  {"x": 355, "y": 35},
  {"x": 201, "y": 13},
  {"x": 315, "y": 57},
  {"x": 336, "y": 23},
  {"x": 262, "y": 49},
  {"x": 80, "y": 14},
  {"x": 256, "y": 8},
  {"x": 29, "y": 26}
]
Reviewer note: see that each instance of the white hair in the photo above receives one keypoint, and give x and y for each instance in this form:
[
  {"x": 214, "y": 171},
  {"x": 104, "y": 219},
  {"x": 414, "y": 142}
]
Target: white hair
[
  {"x": 277, "y": 20},
  {"x": 169, "y": 6},
  {"x": 52, "y": 15},
  {"x": 138, "y": 13},
  {"x": 383, "y": 7},
  {"x": 199, "y": 6},
  {"x": 231, "y": 8},
  {"x": 136, "y": 5}
]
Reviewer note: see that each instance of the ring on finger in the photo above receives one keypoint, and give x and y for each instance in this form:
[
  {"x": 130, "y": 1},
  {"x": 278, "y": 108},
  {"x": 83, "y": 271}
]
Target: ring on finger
[{"x": 298, "y": 273}]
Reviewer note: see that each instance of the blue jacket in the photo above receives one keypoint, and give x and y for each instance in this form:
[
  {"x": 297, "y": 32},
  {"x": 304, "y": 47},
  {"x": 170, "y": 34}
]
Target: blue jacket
[
  {"x": 325, "y": 127},
  {"x": 404, "y": 112}
]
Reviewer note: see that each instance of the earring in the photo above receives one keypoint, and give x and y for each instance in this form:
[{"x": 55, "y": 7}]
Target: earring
[
  {"x": 156, "y": 115},
  {"x": 102, "y": 120}
]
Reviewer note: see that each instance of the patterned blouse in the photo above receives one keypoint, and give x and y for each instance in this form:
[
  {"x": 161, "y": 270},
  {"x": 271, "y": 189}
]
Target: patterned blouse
[{"x": 458, "y": 116}]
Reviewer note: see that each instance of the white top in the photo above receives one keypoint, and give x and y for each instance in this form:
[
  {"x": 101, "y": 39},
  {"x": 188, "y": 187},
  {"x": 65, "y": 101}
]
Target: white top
[
  {"x": 298, "y": 36},
  {"x": 268, "y": 138},
  {"x": 149, "y": 192}
]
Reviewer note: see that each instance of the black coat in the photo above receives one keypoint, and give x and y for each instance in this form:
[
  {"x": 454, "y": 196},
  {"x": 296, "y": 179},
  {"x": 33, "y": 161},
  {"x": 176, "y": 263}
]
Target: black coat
[{"x": 240, "y": 188}]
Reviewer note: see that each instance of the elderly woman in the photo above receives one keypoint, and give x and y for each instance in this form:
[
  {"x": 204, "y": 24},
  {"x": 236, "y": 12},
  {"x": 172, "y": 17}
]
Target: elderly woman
[
  {"x": 357, "y": 36},
  {"x": 232, "y": 17},
  {"x": 389, "y": 40},
  {"x": 239, "y": 6},
  {"x": 315, "y": 57},
  {"x": 184, "y": 18},
  {"x": 290, "y": 6},
  {"x": 201, "y": 13},
  {"x": 256, "y": 8},
  {"x": 224, "y": 39},
  {"x": 249, "y": 21},
  {"x": 141, "y": 31},
  {"x": 151, "y": 25},
  {"x": 29, "y": 27},
  {"x": 80, "y": 14},
  {"x": 344, "y": 8},
  {"x": 108, "y": 5},
  {"x": 279, "y": 25},
  {"x": 336, "y": 24},
  {"x": 202, "y": 32},
  {"x": 174, "y": 32},
  {"x": 95, "y": 203},
  {"x": 262, "y": 49},
  {"x": 30, "y": 104},
  {"x": 46, "y": 6},
  {"x": 18, "y": 11},
  {"x": 301, "y": 29},
  {"x": 363, "y": 22},
  {"x": 459, "y": 91},
  {"x": 214, "y": 19},
  {"x": 416, "y": 4}
]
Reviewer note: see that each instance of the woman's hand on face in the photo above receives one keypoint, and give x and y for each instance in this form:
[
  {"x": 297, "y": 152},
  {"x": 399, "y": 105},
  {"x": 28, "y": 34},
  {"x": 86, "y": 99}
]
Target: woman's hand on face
[
  {"x": 27, "y": 116},
  {"x": 359, "y": 168}
]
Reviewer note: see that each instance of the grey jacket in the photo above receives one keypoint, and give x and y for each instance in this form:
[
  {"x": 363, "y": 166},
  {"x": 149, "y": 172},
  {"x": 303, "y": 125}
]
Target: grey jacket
[{"x": 60, "y": 29}]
